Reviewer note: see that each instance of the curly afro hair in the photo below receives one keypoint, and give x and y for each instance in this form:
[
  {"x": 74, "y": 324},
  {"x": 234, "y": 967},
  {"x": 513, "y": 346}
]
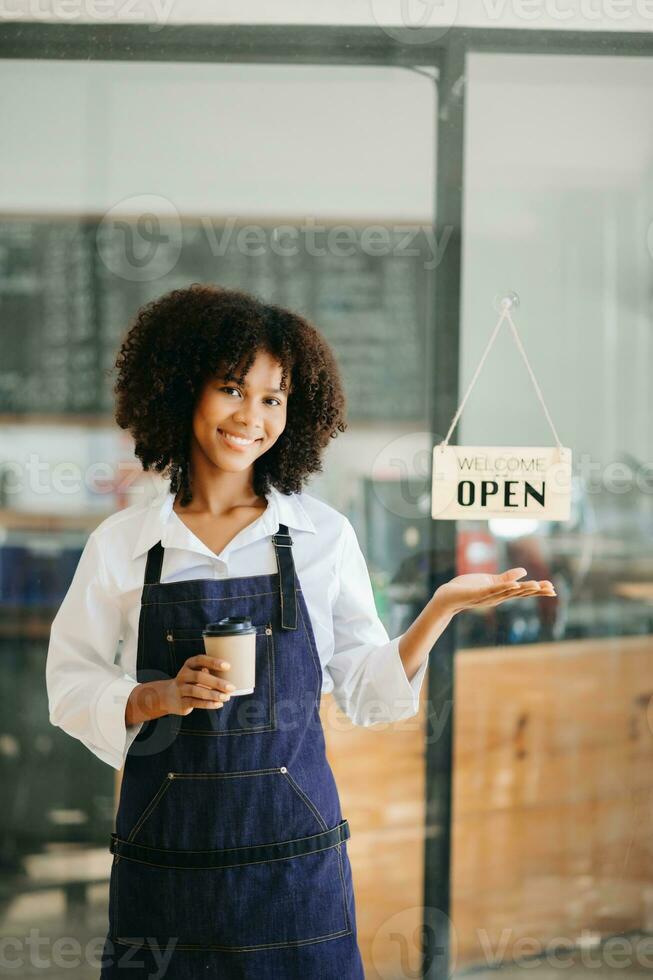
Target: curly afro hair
[{"x": 177, "y": 342}]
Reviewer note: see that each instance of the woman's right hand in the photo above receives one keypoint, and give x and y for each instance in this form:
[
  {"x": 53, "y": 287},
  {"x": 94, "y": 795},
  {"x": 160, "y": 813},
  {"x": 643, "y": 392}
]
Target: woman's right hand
[{"x": 196, "y": 686}]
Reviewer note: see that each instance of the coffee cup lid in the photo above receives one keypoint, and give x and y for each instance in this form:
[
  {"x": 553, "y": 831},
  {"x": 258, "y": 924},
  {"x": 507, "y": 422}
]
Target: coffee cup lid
[{"x": 229, "y": 626}]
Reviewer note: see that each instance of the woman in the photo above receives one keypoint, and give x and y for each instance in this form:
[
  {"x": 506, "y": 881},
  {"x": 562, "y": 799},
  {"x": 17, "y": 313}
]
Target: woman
[{"x": 230, "y": 854}]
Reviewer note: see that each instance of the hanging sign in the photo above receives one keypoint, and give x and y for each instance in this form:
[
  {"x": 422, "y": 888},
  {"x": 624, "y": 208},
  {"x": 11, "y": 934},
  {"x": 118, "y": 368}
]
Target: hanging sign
[{"x": 484, "y": 482}]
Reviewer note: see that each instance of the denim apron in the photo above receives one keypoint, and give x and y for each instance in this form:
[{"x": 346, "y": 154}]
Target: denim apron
[{"x": 229, "y": 853}]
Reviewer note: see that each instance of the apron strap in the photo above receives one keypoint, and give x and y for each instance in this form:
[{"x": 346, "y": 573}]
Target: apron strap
[
  {"x": 285, "y": 563},
  {"x": 154, "y": 564}
]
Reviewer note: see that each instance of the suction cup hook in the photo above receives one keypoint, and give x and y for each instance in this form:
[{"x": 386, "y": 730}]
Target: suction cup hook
[{"x": 506, "y": 301}]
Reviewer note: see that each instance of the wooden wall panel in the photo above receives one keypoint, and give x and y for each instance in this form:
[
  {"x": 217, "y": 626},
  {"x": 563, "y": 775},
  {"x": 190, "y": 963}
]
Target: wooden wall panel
[
  {"x": 553, "y": 792},
  {"x": 380, "y": 777}
]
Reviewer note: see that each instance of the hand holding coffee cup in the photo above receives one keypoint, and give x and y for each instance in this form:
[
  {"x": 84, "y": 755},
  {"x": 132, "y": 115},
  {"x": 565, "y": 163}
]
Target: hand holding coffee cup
[
  {"x": 232, "y": 640},
  {"x": 197, "y": 685}
]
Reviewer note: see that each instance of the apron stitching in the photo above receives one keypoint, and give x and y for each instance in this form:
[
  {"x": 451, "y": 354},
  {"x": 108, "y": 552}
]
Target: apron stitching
[
  {"x": 224, "y": 775},
  {"x": 344, "y": 889},
  {"x": 282, "y": 583},
  {"x": 342, "y": 879},
  {"x": 241, "y": 847},
  {"x": 171, "y": 654},
  {"x": 194, "y": 634},
  {"x": 114, "y": 890},
  {"x": 227, "y": 867},
  {"x": 226, "y": 598},
  {"x": 165, "y": 785},
  {"x": 240, "y": 949},
  {"x": 203, "y": 733},
  {"x": 143, "y": 631},
  {"x": 276, "y": 558},
  {"x": 273, "y": 701},
  {"x": 309, "y": 803},
  {"x": 204, "y": 579},
  {"x": 318, "y": 671}
]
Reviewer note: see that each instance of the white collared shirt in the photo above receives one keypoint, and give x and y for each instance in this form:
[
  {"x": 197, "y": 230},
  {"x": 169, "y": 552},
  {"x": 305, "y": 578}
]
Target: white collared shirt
[{"x": 88, "y": 690}]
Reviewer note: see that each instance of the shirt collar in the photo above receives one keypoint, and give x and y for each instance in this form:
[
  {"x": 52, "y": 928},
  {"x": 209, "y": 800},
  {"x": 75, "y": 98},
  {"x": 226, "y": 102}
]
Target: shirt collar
[{"x": 282, "y": 509}]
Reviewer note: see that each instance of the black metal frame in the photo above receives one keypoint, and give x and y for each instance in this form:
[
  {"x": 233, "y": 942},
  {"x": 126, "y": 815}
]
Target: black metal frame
[
  {"x": 358, "y": 46},
  {"x": 298, "y": 44}
]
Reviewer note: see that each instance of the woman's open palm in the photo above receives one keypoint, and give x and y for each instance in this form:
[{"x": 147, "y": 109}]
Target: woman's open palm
[{"x": 465, "y": 591}]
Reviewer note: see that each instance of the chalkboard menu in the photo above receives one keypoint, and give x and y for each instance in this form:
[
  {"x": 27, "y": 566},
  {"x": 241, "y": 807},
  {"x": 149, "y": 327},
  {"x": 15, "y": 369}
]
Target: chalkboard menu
[{"x": 69, "y": 287}]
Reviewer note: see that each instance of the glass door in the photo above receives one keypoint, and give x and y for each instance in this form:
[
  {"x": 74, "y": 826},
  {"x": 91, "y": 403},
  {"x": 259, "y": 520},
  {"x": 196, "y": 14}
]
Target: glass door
[{"x": 553, "y": 775}]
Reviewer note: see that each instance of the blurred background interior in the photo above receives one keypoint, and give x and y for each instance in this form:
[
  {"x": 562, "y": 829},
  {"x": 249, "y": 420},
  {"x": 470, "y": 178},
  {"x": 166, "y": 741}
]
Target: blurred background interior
[{"x": 122, "y": 179}]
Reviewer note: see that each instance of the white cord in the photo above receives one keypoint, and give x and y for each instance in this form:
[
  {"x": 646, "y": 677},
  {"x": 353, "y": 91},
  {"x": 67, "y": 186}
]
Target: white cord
[{"x": 505, "y": 313}]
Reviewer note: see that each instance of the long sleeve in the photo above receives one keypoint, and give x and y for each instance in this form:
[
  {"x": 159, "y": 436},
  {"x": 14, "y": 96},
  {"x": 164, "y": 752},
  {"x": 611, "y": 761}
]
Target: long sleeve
[
  {"x": 370, "y": 683},
  {"x": 87, "y": 691}
]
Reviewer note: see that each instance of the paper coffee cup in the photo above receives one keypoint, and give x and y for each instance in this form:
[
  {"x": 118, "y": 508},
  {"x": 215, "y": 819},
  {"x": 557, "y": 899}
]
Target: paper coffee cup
[{"x": 233, "y": 639}]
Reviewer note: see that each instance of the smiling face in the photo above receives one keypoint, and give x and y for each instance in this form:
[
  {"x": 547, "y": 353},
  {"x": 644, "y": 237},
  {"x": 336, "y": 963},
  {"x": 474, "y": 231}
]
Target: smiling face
[{"x": 234, "y": 424}]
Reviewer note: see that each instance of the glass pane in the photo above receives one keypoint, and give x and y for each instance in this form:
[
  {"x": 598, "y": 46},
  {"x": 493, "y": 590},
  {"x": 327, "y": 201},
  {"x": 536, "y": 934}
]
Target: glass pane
[
  {"x": 553, "y": 786},
  {"x": 120, "y": 182}
]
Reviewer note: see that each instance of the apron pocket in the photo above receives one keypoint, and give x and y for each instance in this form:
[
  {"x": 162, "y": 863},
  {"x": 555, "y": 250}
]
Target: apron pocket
[
  {"x": 218, "y": 810},
  {"x": 129, "y": 801},
  {"x": 264, "y": 903},
  {"x": 232, "y": 861},
  {"x": 245, "y": 713}
]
